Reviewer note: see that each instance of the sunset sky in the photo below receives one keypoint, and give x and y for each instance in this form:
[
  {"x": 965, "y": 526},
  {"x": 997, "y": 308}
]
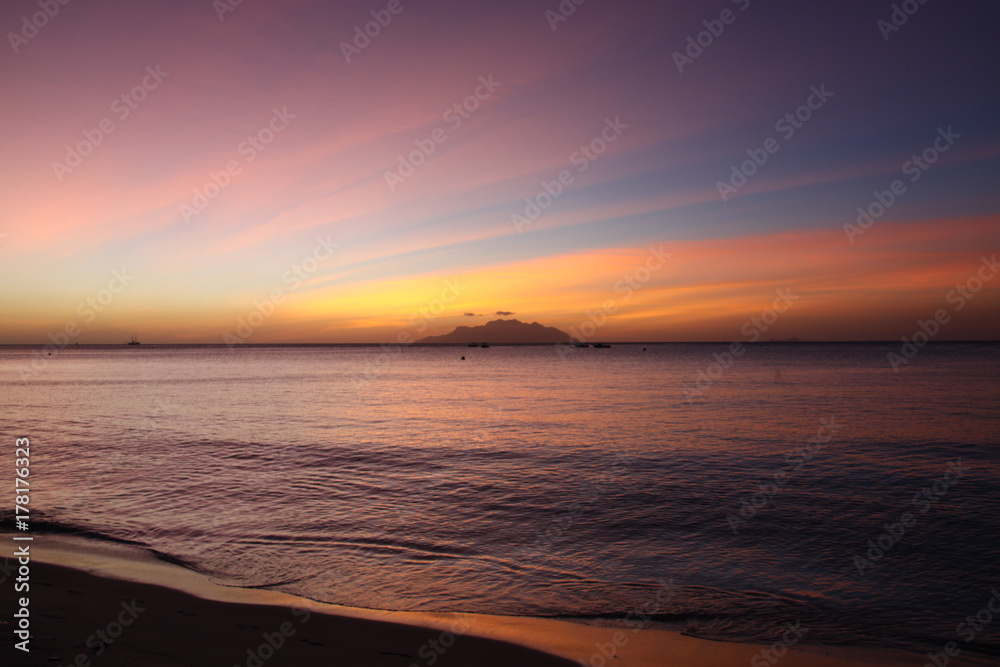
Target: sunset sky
[{"x": 117, "y": 200}]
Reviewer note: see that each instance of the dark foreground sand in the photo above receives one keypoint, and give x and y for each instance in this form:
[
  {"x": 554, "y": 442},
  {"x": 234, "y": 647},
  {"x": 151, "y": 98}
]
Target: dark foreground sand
[
  {"x": 93, "y": 608},
  {"x": 167, "y": 627}
]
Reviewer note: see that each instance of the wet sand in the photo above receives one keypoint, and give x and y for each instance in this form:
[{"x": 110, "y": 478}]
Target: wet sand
[{"x": 106, "y": 605}]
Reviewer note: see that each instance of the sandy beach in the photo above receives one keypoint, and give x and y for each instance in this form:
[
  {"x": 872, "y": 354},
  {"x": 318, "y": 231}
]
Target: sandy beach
[
  {"x": 95, "y": 604},
  {"x": 651, "y": 333},
  {"x": 78, "y": 615}
]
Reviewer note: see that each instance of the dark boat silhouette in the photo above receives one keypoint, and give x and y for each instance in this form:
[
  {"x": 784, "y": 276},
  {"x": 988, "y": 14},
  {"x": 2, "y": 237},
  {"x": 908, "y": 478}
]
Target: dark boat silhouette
[
  {"x": 601, "y": 345},
  {"x": 485, "y": 345},
  {"x": 134, "y": 341}
]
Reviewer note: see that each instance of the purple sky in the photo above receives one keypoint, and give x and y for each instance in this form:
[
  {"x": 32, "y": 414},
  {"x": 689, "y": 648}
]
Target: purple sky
[{"x": 232, "y": 163}]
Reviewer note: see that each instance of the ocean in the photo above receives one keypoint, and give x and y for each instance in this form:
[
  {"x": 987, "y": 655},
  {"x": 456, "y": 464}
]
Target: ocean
[{"x": 799, "y": 483}]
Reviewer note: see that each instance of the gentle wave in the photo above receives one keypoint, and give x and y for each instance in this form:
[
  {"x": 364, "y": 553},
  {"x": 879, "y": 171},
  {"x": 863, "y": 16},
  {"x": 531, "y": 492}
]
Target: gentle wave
[{"x": 516, "y": 483}]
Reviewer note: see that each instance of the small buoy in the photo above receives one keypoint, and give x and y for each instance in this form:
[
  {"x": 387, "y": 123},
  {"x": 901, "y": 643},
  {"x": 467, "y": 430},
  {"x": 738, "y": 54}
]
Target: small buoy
[{"x": 463, "y": 358}]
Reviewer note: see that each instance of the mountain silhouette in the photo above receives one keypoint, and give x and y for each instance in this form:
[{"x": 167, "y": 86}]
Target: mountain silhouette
[{"x": 502, "y": 331}]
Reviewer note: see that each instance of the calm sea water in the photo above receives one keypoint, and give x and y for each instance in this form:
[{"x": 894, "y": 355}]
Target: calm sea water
[{"x": 519, "y": 481}]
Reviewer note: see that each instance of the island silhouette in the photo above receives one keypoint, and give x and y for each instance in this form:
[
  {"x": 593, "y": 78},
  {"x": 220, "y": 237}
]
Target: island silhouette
[{"x": 502, "y": 332}]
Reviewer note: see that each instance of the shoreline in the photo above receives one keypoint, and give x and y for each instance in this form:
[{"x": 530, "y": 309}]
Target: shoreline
[{"x": 79, "y": 586}]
